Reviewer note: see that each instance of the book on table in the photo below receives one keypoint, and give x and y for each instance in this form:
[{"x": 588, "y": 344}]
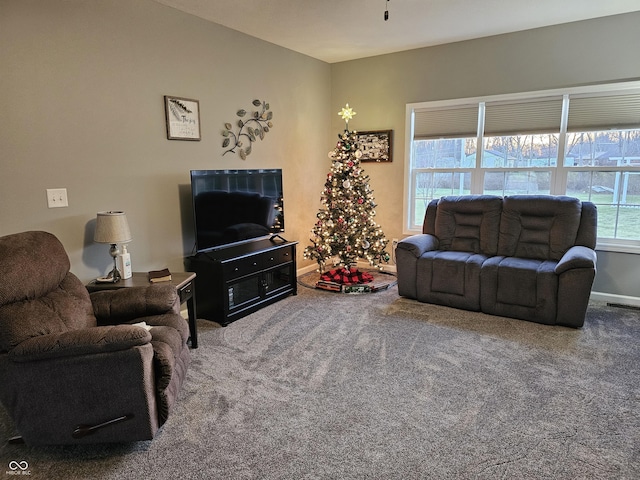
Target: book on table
[{"x": 163, "y": 275}]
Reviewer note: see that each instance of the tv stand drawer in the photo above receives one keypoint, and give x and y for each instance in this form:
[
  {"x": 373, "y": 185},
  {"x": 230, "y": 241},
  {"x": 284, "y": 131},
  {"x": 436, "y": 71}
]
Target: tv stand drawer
[
  {"x": 241, "y": 267},
  {"x": 277, "y": 257}
]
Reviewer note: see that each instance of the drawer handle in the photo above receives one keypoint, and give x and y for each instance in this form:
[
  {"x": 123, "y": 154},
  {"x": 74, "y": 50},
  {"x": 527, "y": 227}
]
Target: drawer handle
[
  {"x": 286, "y": 254},
  {"x": 236, "y": 269},
  {"x": 271, "y": 259},
  {"x": 255, "y": 264}
]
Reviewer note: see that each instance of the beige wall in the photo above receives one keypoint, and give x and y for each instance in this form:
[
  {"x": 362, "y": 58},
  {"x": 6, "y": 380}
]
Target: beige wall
[
  {"x": 378, "y": 88},
  {"x": 82, "y": 86}
]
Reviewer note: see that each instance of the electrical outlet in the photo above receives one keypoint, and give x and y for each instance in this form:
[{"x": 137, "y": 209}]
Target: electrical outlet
[
  {"x": 394, "y": 242},
  {"x": 57, "y": 197}
]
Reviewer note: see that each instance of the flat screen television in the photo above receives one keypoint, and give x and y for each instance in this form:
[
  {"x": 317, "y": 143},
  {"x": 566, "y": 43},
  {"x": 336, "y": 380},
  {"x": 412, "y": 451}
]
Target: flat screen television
[{"x": 233, "y": 206}]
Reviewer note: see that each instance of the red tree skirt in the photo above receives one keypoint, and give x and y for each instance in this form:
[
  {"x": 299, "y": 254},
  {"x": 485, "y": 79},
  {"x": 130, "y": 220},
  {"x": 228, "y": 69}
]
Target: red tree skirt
[{"x": 347, "y": 276}]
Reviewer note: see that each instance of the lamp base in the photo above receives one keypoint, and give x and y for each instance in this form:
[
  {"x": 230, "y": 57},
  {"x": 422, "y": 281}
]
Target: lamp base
[{"x": 115, "y": 273}]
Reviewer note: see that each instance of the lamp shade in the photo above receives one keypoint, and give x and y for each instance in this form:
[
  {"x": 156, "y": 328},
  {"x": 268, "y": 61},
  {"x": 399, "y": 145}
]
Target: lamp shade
[{"x": 112, "y": 227}]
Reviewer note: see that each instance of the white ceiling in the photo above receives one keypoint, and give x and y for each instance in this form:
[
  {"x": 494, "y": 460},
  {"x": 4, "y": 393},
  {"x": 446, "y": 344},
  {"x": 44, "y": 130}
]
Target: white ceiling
[{"x": 339, "y": 30}]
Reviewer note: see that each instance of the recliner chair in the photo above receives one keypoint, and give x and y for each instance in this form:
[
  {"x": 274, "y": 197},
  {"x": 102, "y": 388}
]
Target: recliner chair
[{"x": 73, "y": 367}]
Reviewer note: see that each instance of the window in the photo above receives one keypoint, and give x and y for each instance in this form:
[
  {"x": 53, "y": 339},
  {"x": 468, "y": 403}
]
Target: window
[{"x": 583, "y": 142}]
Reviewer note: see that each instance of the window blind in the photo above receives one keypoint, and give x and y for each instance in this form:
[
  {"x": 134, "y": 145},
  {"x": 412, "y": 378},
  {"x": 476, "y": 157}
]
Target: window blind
[
  {"x": 457, "y": 122},
  {"x": 589, "y": 112},
  {"x": 604, "y": 112},
  {"x": 541, "y": 115}
]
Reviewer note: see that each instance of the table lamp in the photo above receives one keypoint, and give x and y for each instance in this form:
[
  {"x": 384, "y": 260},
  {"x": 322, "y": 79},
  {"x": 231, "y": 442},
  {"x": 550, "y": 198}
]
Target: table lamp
[{"x": 112, "y": 228}]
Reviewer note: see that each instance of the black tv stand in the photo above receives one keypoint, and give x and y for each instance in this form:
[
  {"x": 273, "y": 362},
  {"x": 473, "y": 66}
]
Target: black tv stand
[{"x": 240, "y": 279}]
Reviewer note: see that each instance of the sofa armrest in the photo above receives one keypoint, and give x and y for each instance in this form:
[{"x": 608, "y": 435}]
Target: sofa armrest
[
  {"x": 125, "y": 304},
  {"x": 576, "y": 257},
  {"x": 86, "y": 341},
  {"x": 419, "y": 244}
]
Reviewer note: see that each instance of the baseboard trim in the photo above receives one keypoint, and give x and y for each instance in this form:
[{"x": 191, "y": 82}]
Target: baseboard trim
[
  {"x": 309, "y": 268},
  {"x": 614, "y": 298}
]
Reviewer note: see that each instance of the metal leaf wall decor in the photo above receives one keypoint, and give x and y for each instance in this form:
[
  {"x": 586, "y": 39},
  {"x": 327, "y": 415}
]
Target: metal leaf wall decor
[{"x": 249, "y": 129}]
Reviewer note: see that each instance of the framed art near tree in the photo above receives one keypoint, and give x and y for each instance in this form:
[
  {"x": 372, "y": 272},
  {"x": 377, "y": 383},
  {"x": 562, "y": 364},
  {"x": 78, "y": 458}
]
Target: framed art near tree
[
  {"x": 183, "y": 118},
  {"x": 376, "y": 145}
]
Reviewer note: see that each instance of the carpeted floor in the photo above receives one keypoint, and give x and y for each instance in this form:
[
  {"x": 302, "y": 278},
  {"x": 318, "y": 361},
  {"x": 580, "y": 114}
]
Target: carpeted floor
[{"x": 330, "y": 386}]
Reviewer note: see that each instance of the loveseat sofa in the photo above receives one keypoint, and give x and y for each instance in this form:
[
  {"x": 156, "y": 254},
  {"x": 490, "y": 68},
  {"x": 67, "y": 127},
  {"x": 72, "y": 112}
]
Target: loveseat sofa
[{"x": 529, "y": 257}]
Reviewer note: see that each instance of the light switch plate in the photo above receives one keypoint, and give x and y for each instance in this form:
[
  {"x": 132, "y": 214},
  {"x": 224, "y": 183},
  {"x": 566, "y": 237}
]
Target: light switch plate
[{"x": 57, "y": 197}]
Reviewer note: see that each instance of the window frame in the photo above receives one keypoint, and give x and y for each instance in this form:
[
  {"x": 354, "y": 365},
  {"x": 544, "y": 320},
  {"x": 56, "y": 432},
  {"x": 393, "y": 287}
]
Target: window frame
[{"x": 558, "y": 172}]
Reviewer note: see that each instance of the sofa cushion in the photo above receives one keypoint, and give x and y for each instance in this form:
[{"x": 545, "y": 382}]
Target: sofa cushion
[
  {"x": 32, "y": 265},
  {"x": 429, "y": 222},
  {"x": 66, "y": 307},
  {"x": 588, "y": 229},
  {"x": 469, "y": 223},
  {"x": 537, "y": 226},
  {"x": 520, "y": 288},
  {"x": 518, "y": 280},
  {"x": 450, "y": 278},
  {"x": 448, "y": 272},
  {"x": 38, "y": 294}
]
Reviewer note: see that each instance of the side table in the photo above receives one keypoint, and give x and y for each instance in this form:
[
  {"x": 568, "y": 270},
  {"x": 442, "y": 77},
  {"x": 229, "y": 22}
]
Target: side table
[{"x": 183, "y": 281}]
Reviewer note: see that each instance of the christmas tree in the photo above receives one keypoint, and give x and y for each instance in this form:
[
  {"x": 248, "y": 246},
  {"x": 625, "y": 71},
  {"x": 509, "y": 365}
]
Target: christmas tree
[{"x": 345, "y": 229}]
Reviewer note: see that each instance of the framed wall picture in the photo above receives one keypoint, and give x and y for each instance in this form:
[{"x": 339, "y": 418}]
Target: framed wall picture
[
  {"x": 183, "y": 118},
  {"x": 376, "y": 145}
]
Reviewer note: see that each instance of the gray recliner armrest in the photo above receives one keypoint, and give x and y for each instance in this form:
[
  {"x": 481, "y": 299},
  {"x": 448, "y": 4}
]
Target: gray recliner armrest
[
  {"x": 576, "y": 257},
  {"x": 419, "y": 244},
  {"x": 80, "y": 342},
  {"x": 123, "y": 305}
]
